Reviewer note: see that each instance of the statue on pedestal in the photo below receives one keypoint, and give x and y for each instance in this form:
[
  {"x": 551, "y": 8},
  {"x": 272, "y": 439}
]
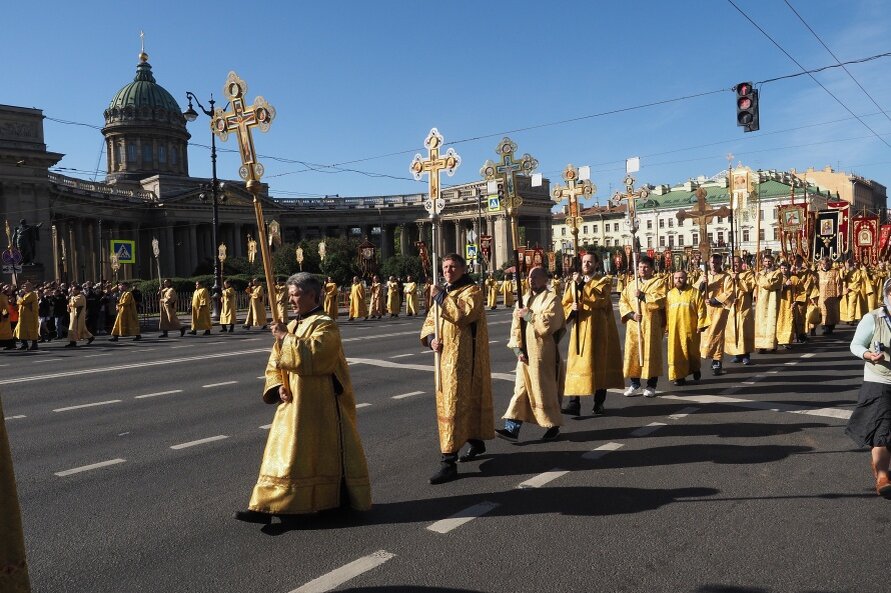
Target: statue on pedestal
[{"x": 25, "y": 239}]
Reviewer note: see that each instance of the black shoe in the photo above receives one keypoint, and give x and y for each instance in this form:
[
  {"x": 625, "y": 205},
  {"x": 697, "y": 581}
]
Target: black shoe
[
  {"x": 349, "y": 318},
  {"x": 717, "y": 369},
  {"x": 599, "y": 410},
  {"x": 736, "y": 359},
  {"x": 33, "y": 346},
  {"x": 473, "y": 452},
  {"x": 245, "y": 327},
  {"x": 90, "y": 340},
  {"x": 573, "y": 408},
  {"x": 787, "y": 347},
  {"x": 223, "y": 329},
  {"x": 746, "y": 360},
  {"x": 447, "y": 472},
  {"x": 182, "y": 332},
  {"x": 23, "y": 347},
  {"x": 680, "y": 382},
  {"x": 253, "y": 517},
  {"x": 113, "y": 339},
  {"x": 507, "y": 435},
  {"x": 697, "y": 375},
  {"x": 70, "y": 345},
  {"x": 264, "y": 327},
  {"x": 551, "y": 434},
  {"x": 137, "y": 338},
  {"x": 207, "y": 332},
  {"x": 232, "y": 330},
  {"x": 193, "y": 333},
  {"x": 761, "y": 350},
  {"x": 163, "y": 335},
  {"x": 813, "y": 332}
]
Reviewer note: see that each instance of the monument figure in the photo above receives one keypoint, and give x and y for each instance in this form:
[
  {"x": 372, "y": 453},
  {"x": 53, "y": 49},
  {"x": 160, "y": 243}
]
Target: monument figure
[{"x": 25, "y": 239}]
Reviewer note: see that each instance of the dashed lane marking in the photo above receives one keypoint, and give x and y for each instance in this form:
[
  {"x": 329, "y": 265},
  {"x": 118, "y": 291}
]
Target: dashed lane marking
[
  {"x": 648, "y": 429},
  {"x": 809, "y": 355},
  {"x": 347, "y": 572},
  {"x": 409, "y": 394},
  {"x": 105, "y": 403},
  {"x": 362, "y": 405},
  {"x": 543, "y": 478},
  {"x": 462, "y": 517},
  {"x": 602, "y": 450},
  {"x": 86, "y": 468},
  {"x": 220, "y": 384},
  {"x": 172, "y": 391},
  {"x": 793, "y": 363},
  {"x": 758, "y": 405},
  {"x": 403, "y": 355},
  {"x": 683, "y": 413},
  {"x": 266, "y": 427},
  {"x": 98, "y": 355},
  {"x": 8, "y": 418},
  {"x": 219, "y": 437}
]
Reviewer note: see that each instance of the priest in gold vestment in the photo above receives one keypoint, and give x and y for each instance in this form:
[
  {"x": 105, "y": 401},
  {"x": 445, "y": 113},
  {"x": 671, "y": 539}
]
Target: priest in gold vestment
[
  {"x": 332, "y": 307},
  {"x": 767, "y": 304},
  {"x": 77, "y": 324},
  {"x": 739, "y": 335},
  {"x": 28, "y": 327},
  {"x": 168, "y": 319},
  {"x": 127, "y": 321},
  {"x": 687, "y": 319},
  {"x": 281, "y": 299},
  {"x": 228, "y": 304},
  {"x": 594, "y": 362},
  {"x": 393, "y": 303},
  {"x": 717, "y": 291},
  {"x": 786, "y": 309},
  {"x": 854, "y": 301},
  {"x": 491, "y": 292},
  {"x": 464, "y": 402},
  {"x": 507, "y": 290},
  {"x": 410, "y": 290},
  {"x": 358, "y": 308},
  {"x": 13, "y": 566},
  {"x": 201, "y": 303},
  {"x": 314, "y": 458},
  {"x": 256, "y": 314},
  {"x": 377, "y": 297},
  {"x": 642, "y": 309},
  {"x": 538, "y": 384}
]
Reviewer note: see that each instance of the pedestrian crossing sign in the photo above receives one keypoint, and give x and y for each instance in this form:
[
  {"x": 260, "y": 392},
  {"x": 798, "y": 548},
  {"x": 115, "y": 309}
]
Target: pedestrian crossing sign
[
  {"x": 494, "y": 203},
  {"x": 125, "y": 250}
]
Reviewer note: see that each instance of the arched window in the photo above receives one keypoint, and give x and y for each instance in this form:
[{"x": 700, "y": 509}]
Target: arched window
[
  {"x": 131, "y": 152},
  {"x": 162, "y": 154}
]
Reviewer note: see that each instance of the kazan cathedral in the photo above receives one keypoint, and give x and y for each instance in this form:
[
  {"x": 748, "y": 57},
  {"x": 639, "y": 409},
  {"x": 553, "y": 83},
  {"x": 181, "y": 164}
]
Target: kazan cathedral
[{"x": 149, "y": 195}]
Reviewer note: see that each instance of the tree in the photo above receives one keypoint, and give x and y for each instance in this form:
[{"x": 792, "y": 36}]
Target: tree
[
  {"x": 402, "y": 266},
  {"x": 340, "y": 259}
]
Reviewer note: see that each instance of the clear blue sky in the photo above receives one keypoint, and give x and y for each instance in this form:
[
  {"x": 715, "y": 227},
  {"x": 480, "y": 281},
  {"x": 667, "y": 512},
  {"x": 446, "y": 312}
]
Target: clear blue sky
[{"x": 352, "y": 80}]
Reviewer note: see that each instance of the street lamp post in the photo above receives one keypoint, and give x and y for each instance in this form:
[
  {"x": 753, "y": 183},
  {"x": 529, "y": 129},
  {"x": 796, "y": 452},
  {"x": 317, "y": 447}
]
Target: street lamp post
[{"x": 191, "y": 115}]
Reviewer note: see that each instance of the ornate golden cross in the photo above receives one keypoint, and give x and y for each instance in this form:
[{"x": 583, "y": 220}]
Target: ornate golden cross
[
  {"x": 703, "y": 215},
  {"x": 507, "y": 170},
  {"x": 432, "y": 166},
  {"x": 631, "y": 195},
  {"x": 240, "y": 120},
  {"x": 571, "y": 193}
]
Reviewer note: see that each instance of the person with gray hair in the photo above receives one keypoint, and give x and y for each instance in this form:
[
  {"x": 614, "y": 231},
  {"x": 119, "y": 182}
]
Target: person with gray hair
[
  {"x": 870, "y": 423},
  {"x": 314, "y": 460}
]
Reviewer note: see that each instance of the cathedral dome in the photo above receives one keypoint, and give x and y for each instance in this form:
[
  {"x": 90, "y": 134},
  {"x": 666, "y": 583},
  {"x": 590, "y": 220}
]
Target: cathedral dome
[{"x": 144, "y": 98}]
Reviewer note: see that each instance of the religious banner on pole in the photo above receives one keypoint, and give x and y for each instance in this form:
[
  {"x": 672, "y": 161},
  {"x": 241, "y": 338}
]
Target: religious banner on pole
[
  {"x": 844, "y": 224},
  {"x": 424, "y": 256},
  {"x": 884, "y": 241},
  {"x": 667, "y": 260},
  {"x": 793, "y": 221},
  {"x": 866, "y": 239},
  {"x": 486, "y": 247},
  {"x": 828, "y": 239},
  {"x": 552, "y": 261}
]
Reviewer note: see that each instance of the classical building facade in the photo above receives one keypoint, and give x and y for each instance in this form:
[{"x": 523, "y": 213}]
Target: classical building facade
[{"x": 148, "y": 194}]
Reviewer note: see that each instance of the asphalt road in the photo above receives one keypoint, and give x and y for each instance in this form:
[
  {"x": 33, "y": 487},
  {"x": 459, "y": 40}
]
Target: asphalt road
[{"x": 132, "y": 457}]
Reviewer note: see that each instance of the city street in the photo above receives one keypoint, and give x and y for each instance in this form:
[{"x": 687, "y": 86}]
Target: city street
[{"x": 131, "y": 458}]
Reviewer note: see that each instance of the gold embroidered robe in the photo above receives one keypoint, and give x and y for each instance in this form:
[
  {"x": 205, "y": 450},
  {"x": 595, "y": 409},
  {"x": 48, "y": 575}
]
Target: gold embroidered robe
[
  {"x": 787, "y": 312},
  {"x": 767, "y": 304},
  {"x": 685, "y": 310},
  {"x": 313, "y": 443},
  {"x": 256, "y": 314},
  {"x": 332, "y": 307},
  {"x": 281, "y": 302},
  {"x": 377, "y": 300},
  {"x": 5, "y": 325},
  {"x": 13, "y": 566},
  {"x": 410, "y": 290},
  {"x": 28, "y": 327},
  {"x": 201, "y": 310},
  {"x": 358, "y": 308},
  {"x": 538, "y": 386},
  {"x": 77, "y": 318},
  {"x": 228, "y": 306},
  {"x": 739, "y": 333},
  {"x": 491, "y": 293},
  {"x": 719, "y": 287},
  {"x": 127, "y": 321},
  {"x": 651, "y": 327},
  {"x": 393, "y": 304},
  {"x": 507, "y": 293},
  {"x": 829, "y": 284},
  {"x": 464, "y": 405},
  {"x": 854, "y": 299},
  {"x": 168, "y": 318}
]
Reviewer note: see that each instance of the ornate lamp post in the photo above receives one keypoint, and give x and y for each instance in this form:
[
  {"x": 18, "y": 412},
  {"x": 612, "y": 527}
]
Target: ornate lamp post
[{"x": 191, "y": 115}]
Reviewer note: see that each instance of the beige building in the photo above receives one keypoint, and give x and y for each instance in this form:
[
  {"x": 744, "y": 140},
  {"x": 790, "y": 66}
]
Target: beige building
[{"x": 858, "y": 191}]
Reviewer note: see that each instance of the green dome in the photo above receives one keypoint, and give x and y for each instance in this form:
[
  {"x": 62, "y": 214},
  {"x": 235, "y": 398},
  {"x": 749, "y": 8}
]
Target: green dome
[{"x": 144, "y": 92}]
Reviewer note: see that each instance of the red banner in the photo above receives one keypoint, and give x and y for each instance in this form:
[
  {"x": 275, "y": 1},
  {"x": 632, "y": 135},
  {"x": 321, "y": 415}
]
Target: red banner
[
  {"x": 885, "y": 235},
  {"x": 866, "y": 239},
  {"x": 793, "y": 221},
  {"x": 843, "y": 224}
]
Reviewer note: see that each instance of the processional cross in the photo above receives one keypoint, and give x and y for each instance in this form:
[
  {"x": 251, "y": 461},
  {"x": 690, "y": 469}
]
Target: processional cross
[
  {"x": 434, "y": 205},
  {"x": 703, "y": 215}
]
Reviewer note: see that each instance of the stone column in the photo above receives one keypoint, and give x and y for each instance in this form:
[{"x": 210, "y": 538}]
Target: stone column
[
  {"x": 81, "y": 250},
  {"x": 193, "y": 248},
  {"x": 387, "y": 241},
  {"x": 502, "y": 241},
  {"x": 403, "y": 239}
]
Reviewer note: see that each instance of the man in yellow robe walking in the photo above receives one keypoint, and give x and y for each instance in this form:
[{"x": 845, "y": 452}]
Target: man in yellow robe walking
[
  {"x": 377, "y": 297},
  {"x": 787, "y": 315},
  {"x": 718, "y": 294},
  {"x": 594, "y": 362},
  {"x": 642, "y": 310},
  {"x": 332, "y": 307},
  {"x": 464, "y": 402},
  {"x": 854, "y": 300},
  {"x": 127, "y": 321},
  {"x": 200, "y": 310},
  {"x": 314, "y": 460},
  {"x": 168, "y": 318},
  {"x": 739, "y": 335},
  {"x": 227, "y": 308},
  {"x": 77, "y": 315},
  {"x": 829, "y": 282},
  {"x": 358, "y": 308},
  {"x": 410, "y": 290},
  {"x": 256, "y": 314},
  {"x": 767, "y": 305},
  {"x": 535, "y": 334},
  {"x": 28, "y": 327},
  {"x": 507, "y": 290},
  {"x": 687, "y": 319},
  {"x": 491, "y": 292}
]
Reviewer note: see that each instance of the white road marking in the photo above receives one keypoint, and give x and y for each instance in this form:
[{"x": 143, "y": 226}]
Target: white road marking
[
  {"x": 426, "y": 351},
  {"x": 8, "y": 418},
  {"x": 219, "y": 437},
  {"x": 158, "y": 393},
  {"x": 339, "y": 576},
  {"x": 86, "y": 468},
  {"x": 409, "y": 394},
  {"x": 683, "y": 413},
  {"x": 46, "y": 360},
  {"x": 414, "y": 367},
  {"x": 648, "y": 429},
  {"x": 266, "y": 427},
  {"x": 120, "y": 434},
  {"x": 403, "y": 355},
  {"x": 251, "y": 340},
  {"x": 220, "y": 384},
  {"x": 772, "y": 372},
  {"x": 771, "y": 406},
  {"x": 105, "y": 403},
  {"x": 493, "y": 341},
  {"x": 362, "y": 405},
  {"x": 543, "y": 478},
  {"x": 262, "y": 377},
  {"x": 794, "y": 362},
  {"x": 809, "y": 355},
  {"x": 602, "y": 450},
  {"x": 183, "y": 346},
  {"x": 462, "y": 517},
  {"x": 98, "y": 355}
]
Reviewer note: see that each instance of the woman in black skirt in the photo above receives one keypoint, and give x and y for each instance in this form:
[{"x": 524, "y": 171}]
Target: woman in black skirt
[{"x": 870, "y": 424}]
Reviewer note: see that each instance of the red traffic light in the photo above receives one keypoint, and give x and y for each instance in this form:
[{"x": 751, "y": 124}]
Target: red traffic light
[
  {"x": 743, "y": 89},
  {"x": 746, "y": 106}
]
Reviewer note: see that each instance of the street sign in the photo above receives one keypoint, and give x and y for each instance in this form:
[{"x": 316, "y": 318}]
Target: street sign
[
  {"x": 470, "y": 252},
  {"x": 125, "y": 250},
  {"x": 494, "y": 203},
  {"x": 12, "y": 269},
  {"x": 11, "y": 256}
]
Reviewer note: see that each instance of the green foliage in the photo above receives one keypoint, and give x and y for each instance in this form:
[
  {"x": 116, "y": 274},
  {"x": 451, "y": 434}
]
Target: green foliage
[
  {"x": 402, "y": 266},
  {"x": 340, "y": 259}
]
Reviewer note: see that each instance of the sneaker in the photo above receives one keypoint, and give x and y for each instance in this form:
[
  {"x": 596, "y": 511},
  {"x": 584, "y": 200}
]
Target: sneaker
[
  {"x": 631, "y": 391},
  {"x": 649, "y": 392},
  {"x": 746, "y": 360},
  {"x": 473, "y": 452},
  {"x": 736, "y": 359},
  {"x": 573, "y": 408}
]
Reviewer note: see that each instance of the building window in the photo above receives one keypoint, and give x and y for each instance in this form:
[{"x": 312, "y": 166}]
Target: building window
[
  {"x": 146, "y": 155},
  {"x": 671, "y": 223},
  {"x": 563, "y": 231},
  {"x": 131, "y": 153},
  {"x": 681, "y": 222},
  {"x": 671, "y": 240},
  {"x": 649, "y": 224},
  {"x": 720, "y": 219},
  {"x": 761, "y": 214},
  {"x": 745, "y": 235},
  {"x": 774, "y": 233},
  {"x": 761, "y": 234},
  {"x": 119, "y": 155},
  {"x": 597, "y": 243},
  {"x": 594, "y": 229},
  {"x": 662, "y": 241},
  {"x": 162, "y": 154},
  {"x": 649, "y": 242},
  {"x": 720, "y": 237},
  {"x": 661, "y": 223},
  {"x": 680, "y": 240},
  {"x": 585, "y": 230},
  {"x": 695, "y": 240}
]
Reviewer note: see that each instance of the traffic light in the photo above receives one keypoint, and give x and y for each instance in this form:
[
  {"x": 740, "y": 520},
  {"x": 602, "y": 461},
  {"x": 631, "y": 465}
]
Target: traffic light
[{"x": 746, "y": 106}]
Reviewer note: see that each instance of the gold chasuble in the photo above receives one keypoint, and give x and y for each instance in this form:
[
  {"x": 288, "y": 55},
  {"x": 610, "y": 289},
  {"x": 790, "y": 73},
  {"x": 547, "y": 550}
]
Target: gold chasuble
[
  {"x": 393, "y": 303},
  {"x": 854, "y": 300},
  {"x": 739, "y": 334},
  {"x": 13, "y": 567},
  {"x": 786, "y": 312},
  {"x": 538, "y": 386},
  {"x": 719, "y": 287},
  {"x": 257, "y": 308},
  {"x": 169, "y": 320},
  {"x": 127, "y": 321},
  {"x": 868, "y": 289},
  {"x": 651, "y": 327},
  {"x": 5, "y": 325},
  {"x": 77, "y": 324},
  {"x": 227, "y": 311},
  {"x": 358, "y": 308},
  {"x": 201, "y": 310},
  {"x": 491, "y": 293},
  {"x": 464, "y": 405},
  {"x": 377, "y": 299},
  {"x": 686, "y": 314},
  {"x": 332, "y": 307},
  {"x": 410, "y": 290},
  {"x": 767, "y": 303},
  {"x": 281, "y": 302},
  {"x": 598, "y": 365},
  {"x": 507, "y": 293},
  {"x": 28, "y": 327},
  {"x": 313, "y": 445}
]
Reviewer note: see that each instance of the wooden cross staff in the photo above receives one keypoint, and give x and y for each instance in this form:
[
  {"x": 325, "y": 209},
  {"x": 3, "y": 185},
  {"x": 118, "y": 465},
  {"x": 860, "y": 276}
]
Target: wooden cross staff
[
  {"x": 434, "y": 205},
  {"x": 571, "y": 192},
  {"x": 631, "y": 195},
  {"x": 703, "y": 215}
]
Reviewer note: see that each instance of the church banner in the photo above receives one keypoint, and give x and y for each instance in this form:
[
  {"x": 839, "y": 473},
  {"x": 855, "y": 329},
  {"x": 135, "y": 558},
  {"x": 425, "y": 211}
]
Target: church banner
[
  {"x": 828, "y": 238},
  {"x": 866, "y": 239},
  {"x": 793, "y": 230},
  {"x": 843, "y": 222},
  {"x": 884, "y": 236}
]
